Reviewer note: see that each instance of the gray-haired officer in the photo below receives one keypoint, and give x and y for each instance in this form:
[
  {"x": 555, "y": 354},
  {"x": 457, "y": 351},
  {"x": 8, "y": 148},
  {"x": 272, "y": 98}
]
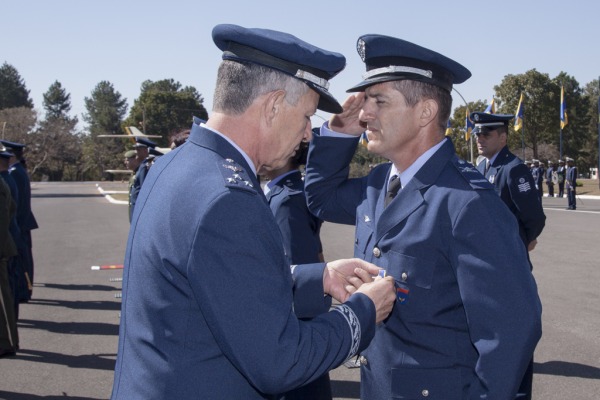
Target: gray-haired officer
[
  {"x": 210, "y": 306},
  {"x": 423, "y": 218},
  {"x": 516, "y": 186}
]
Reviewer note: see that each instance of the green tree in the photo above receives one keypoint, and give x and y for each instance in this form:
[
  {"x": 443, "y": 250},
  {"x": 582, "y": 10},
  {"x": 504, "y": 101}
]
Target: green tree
[
  {"x": 13, "y": 92},
  {"x": 587, "y": 157},
  {"x": 105, "y": 112},
  {"x": 165, "y": 108},
  {"x": 57, "y": 102},
  {"x": 458, "y": 122},
  {"x": 540, "y": 119},
  {"x": 57, "y": 152}
]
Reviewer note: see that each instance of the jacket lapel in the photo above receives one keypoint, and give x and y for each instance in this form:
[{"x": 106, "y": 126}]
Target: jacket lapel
[{"x": 410, "y": 198}]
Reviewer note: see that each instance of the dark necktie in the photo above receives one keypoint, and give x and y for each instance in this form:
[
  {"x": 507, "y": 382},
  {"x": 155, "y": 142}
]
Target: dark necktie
[{"x": 393, "y": 186}]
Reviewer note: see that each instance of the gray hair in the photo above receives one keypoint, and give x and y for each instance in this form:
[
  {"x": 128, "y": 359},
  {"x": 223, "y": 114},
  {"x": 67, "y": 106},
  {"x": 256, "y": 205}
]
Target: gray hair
[
  {"x": 239, "y": 84},
  {"x": 414, "y": 91}
]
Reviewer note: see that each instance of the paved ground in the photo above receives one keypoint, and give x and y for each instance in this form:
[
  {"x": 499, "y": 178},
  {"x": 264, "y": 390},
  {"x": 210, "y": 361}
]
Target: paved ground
[{"x": 69, "y": 330}]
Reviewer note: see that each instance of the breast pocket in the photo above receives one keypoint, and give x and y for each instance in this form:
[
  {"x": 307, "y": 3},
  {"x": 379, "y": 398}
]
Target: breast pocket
[
  {"x": 411, "y": 271},
  {"x": 426, "y": 383}
]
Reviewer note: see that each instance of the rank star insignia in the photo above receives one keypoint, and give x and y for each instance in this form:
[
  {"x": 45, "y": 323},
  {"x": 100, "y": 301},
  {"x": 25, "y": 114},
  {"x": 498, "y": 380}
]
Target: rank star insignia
[{"x": 231, "y": 180}]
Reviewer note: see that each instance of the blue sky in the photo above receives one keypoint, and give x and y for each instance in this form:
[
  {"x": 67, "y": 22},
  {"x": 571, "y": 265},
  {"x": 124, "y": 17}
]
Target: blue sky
[{"x": 82, "y": 42}]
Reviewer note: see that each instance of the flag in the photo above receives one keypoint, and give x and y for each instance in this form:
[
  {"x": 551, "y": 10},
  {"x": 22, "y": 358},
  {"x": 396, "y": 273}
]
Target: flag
[
  {"x": 469, "y": 125},
  {"x": 491, "y": 108},
  {"x": 363, "y": 139},
  {"x": 448, "y": 129},
  {"x": 519, "y": 114},
  {"x": 564, "y": 120}
]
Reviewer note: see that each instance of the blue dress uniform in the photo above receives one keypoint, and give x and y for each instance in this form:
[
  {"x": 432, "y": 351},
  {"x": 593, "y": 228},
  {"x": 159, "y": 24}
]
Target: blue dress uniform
[
  {"x": 571, "y": 183},
  {"x": 459, "y": 329},
  {"x": 140, "y": 174},
  {"x": 25, "y": 218},
  {"x": 210, "y": 306},
  {"x": 514, "y": 184},
  {"x": 207, "y": 289},
  {"x": 302, "y": 243},
  {"x": 299, "y": 227}
]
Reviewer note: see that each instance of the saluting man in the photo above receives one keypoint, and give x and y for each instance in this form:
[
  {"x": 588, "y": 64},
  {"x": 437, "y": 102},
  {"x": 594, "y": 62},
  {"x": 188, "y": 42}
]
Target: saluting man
[{"x": 423, "y": 218}]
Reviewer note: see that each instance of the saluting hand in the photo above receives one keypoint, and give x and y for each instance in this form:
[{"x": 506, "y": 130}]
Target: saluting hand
[{"x": 348, "y": 121}]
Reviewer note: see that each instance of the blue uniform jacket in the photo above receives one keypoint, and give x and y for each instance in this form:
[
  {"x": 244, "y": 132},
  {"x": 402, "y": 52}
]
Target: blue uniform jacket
[
  {"x": 25, "y": 218},
  {"x": 468, "y": 316},
  {"x": 299, "y": 228},
  {"x": 209, "y": 301},
  {"x": 515, "y": 185},
  {"x": 134, "y": 192}
]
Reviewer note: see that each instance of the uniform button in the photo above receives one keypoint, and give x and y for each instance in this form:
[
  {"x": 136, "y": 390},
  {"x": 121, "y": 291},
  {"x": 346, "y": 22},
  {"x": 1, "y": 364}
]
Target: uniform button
[
  {"x": 362, "y": 360},
  {"x": 376, "y": 252},
  {"x": 404, "y": 276},
  {"x": 356, "y": 241},
  {"x": 425, "y": 392}
]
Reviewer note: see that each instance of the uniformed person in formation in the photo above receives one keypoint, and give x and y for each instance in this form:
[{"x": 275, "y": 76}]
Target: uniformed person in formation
[
  {"x": 561, "y": 174},
  {"x": 25, "y": 217},
  {"x": 141, "y": 146},
  {"x": 211, "y": 308},
  {"x": 467, "y": 316},
  {"x": 9, "y": 337},
  {"x": 550, "y": 178},
  {"x": 301, "y": 240},
  {"x": 571, "y": 183},
  {"x": 511, "y": 178},
  {"x": 132, "y": 163},
  {"x": 519, "y": 189}
]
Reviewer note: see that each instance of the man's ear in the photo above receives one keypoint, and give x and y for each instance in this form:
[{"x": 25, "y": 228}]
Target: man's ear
[
  {"x": 273, "y": 105},
  {"x": 429, "y": 111}
]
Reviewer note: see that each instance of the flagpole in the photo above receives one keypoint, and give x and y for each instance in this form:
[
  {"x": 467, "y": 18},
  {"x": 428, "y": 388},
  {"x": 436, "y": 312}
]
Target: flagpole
[
  {"x": 560, "y": 145},
  {"x": 523, "y": 137}
]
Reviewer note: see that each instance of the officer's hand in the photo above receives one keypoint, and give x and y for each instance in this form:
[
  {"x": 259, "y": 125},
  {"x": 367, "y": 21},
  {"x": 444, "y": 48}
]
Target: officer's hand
[
  {"x": 348, "y": 120},
  {"x": 341, "y": 278},
  {"x": 383, "y": 294}
]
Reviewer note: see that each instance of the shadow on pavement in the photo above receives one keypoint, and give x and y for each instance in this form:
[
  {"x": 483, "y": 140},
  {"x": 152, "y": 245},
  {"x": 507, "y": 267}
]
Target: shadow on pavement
[
  {"x": 27, "y": 396},
  {"x": 104, "y": 288},
  {"x": 87, "y": 361},
  {"x": 75, "y": 328},
  {"x": 345, "y": 389},
  {"x": 79, "y": 305},
  {"x": 563, "y": 368}
]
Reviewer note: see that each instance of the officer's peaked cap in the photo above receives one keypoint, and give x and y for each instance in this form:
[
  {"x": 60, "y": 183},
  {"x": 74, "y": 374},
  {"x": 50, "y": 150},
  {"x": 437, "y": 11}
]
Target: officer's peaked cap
[
  {"x": 143, "y": 142},
  {"x": 484, "y": 121},
  {"x": 285, "y": 53},
  {"x": 391, "y": 59},
  {"x": 12, "y": 145}
]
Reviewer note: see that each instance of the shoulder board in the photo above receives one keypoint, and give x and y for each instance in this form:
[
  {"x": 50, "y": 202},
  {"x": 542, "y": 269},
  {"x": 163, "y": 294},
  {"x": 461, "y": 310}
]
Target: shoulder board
[
  {"x": 471, "y": 174},
  {"x": 234, "y": 176}
]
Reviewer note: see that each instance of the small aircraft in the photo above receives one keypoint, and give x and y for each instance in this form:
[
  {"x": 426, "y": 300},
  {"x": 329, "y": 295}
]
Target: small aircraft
[{"x": 131, "y": 131}]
